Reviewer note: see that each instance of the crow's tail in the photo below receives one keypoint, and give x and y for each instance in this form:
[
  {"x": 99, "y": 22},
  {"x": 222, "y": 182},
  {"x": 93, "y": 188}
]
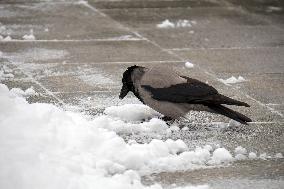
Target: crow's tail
[{"x": 219, "y": 109}]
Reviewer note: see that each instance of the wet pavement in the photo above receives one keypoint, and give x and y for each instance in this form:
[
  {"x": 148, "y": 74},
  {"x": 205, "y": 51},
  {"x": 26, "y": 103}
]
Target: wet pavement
[{"x": 82, "y": 48}]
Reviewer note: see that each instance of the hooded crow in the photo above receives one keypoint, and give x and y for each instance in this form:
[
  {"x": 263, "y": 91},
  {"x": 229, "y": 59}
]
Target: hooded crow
[{"x": 174, "y": 95}]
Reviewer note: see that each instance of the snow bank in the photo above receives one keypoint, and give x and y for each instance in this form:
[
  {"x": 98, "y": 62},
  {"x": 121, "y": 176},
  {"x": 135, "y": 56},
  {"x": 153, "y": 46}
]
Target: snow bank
[
  {"x": 43, "y": 146},
  {"x": 132, "y": 112},
  {"x": 232, "y": 80},
  {"x": 178, "y": 24},
  {"x": 28, "y": 92}
]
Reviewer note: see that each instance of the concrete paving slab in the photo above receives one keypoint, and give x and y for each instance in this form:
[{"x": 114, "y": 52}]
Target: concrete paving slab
[
  {"x": 204, "y": 17},
  {"x": 83, "y": 52},
  {"x": 229, "y": 37},
  {"x": 41, "y": 97},
  {"x": 54, "y": 21},
  {"x": 267, "y": 88},
  {"x": 152, "y": 4},
  {"x": 247, "y": 60},
  {"x": 243, "y": 174},
  {"x": 85, "y": 75},
  {"x": 239, "y": 29},
  {"x": 270, "y": 10}
]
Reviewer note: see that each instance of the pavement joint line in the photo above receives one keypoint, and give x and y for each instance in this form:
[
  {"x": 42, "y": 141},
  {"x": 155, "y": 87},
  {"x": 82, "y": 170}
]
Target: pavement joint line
[
  {"x": 108, "y": 63},
  {"x": 180, "y": 58},
  {"x": 71, "y": 40},
  {"x": 222, "y": 48},
  {"x": 38, "y": 83},
  {"x": 86, "y": 92},
  {"x": 264, "y": 105}
]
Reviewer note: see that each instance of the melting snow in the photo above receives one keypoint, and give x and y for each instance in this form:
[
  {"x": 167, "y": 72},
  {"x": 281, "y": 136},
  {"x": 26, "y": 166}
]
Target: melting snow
[
  {"x": 232, "y": 80},
  {"x": 273, "y": 9},
  {"x": 29, "y": 37},
  {"x": 7, "y": 38},
  {"x": 189, "y": 65},
  {"x": 178, "y": 24}
]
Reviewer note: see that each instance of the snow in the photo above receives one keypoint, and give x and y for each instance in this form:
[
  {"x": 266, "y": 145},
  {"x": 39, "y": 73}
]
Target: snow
[
  {"x": 29, "y": 37},
  {"x": 273, "y": 9},
  {"x": 178, "y": 24},
  {"x": 240, "y": 157},
  {"x": 240, "y": 150},
  {"x": 195, "y": 187},
  {"x": 43, "y": 146},
  {"x": 183, "y": 23},
  {"x": 166, "y": 24},
  {"x": 232, "y": 80},
  {"x": 252, "y": 155},
  {"x": 221, "y": 155},
  {"x": 7, "y": 38},
  {"x": 240, "y": 153},
  {"x": 278, "y": 155},
  {"x": 263, "y": 156},
  {"x": 189, "y": 65},
  {"x": 132, "y": 112},
  {"x": 5, "y": 72},
  {"x": 28, "y": 92}
]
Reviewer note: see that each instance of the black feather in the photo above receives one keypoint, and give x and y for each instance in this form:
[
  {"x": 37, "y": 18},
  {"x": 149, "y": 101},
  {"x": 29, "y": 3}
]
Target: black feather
[{"x": 219, "y": 109}]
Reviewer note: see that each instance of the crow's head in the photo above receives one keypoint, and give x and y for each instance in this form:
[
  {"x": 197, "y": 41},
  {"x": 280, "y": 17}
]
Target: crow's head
[{"x": 127, "y": 82}]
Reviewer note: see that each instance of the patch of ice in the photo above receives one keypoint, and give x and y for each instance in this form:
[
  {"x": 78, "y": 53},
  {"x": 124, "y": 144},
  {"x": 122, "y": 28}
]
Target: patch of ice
[
  {"x": 189, "y": 65},
  {"x": 232, "y": 80},
  {"x": 132, "y": 112}
]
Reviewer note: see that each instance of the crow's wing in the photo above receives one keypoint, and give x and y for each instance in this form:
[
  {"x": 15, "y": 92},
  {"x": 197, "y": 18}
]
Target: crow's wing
[
  {"x": 193, "y": 92},
  {"x": 180, "y": 93}
]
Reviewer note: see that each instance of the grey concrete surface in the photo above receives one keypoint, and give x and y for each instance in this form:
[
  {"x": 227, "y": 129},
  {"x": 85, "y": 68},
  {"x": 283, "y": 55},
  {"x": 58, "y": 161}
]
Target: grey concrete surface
[{"x": 81, "y": 50}]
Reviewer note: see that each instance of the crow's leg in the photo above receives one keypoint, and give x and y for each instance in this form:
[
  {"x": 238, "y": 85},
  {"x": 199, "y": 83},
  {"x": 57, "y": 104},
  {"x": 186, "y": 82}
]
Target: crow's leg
[{"x": 166, "y": 118}]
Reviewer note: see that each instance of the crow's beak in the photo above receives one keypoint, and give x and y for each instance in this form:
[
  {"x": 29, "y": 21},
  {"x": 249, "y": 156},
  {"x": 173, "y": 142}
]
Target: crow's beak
[{"x": 123, "y": 92}]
